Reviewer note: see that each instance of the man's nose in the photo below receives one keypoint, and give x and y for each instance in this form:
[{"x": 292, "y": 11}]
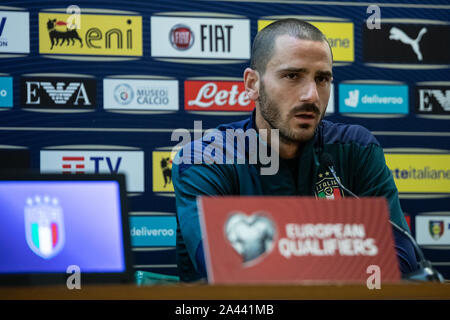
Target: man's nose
[{"x": 309, "y": 93}]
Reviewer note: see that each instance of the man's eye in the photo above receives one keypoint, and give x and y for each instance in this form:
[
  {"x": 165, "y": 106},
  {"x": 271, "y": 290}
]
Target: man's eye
[
  {"x": 323, "y": 79},
  {"x": 292, "y": 76}
]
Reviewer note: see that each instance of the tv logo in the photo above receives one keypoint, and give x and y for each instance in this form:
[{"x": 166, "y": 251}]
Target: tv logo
[
  {"x": 76, "y": 164},
  {"x": 73, "y": 165},
  {"x": 130, "y": 163}
]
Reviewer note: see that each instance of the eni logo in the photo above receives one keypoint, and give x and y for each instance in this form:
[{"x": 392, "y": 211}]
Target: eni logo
[{"x": 90, "y": 34}]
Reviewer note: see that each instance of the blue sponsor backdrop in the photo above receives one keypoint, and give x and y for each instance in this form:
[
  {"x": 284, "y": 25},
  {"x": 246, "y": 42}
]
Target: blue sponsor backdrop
[{"x": 37, "y": 130}]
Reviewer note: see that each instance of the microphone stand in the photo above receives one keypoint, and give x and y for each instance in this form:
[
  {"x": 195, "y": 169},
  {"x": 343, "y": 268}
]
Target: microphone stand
[{"x": 426, "y": 272}]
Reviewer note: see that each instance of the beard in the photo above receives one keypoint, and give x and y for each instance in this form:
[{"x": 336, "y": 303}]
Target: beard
[{"x": 271, "y": 112}]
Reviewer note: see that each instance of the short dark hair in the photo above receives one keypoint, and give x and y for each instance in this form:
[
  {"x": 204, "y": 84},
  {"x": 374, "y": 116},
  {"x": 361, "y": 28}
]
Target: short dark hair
[{"x": 264, "y": 42}]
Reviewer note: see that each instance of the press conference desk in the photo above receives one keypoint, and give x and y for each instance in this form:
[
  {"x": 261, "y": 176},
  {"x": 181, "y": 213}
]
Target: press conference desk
[{"x": 403, "y": 291}]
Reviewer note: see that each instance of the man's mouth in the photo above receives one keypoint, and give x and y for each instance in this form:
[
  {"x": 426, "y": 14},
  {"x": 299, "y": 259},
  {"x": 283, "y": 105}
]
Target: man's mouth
[{"x": 305, "y": 115}]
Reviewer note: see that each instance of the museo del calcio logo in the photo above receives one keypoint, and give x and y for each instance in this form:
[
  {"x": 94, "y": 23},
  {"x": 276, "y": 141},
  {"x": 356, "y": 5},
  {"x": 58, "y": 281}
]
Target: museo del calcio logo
[
  {"x": 140, "y": 94},
  {"x": 92, "y": 34}
]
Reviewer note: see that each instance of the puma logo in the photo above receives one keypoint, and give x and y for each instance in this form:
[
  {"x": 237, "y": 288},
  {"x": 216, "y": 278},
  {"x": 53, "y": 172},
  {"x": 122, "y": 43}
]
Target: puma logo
[{"x": 397, "y": 34}]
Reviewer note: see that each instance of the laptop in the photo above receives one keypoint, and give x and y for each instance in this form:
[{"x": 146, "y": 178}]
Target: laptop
[
  {"x": 54, "y": 225},
  {"x": 289, "y": 240}
]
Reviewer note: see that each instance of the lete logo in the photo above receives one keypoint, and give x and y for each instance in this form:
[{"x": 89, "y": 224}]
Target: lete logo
[
  {"x": 216, "y": 96},
  {"x": 251, "y": 236}
]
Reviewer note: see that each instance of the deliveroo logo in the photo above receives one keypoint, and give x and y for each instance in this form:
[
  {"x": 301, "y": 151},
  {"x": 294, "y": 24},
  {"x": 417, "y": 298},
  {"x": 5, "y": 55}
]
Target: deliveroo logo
[{"x": 44, "y": 226}]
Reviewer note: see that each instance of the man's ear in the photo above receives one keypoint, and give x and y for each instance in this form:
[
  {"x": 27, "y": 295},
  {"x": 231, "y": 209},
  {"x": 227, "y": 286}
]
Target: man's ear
[{"x": 251, "y": 83}]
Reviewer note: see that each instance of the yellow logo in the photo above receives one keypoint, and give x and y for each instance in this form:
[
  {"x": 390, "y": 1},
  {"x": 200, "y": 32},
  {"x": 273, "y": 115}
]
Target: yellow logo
[
  {"x": 162, "y": 171},
  {"x": 339, "y": 34},
  {"x": 420, "y": 173},
  {"x": 96, "y": 35}
]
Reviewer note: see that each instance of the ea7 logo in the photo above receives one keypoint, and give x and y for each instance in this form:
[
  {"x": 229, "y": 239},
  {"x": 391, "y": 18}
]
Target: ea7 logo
[
  {"x": 59, "y": 95},
  {"x": 436, "y": 100},
  {"x": 60, "y": 92}
]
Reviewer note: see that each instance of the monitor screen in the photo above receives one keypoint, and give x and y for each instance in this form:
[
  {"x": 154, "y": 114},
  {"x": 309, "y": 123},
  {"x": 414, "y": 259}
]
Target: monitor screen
[{"x": 47, "y": 225}]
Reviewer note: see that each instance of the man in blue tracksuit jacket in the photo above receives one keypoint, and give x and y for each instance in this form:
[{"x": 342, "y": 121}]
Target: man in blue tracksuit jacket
[{"x": 289, "y": 79}]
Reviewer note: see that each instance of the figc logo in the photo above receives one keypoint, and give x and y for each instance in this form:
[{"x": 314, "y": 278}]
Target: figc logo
[{"x": 44, "y": 226}]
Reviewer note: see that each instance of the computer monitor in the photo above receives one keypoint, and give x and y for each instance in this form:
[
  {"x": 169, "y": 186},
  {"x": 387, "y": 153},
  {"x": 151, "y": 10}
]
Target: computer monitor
[{"x": 53, "y": 224}]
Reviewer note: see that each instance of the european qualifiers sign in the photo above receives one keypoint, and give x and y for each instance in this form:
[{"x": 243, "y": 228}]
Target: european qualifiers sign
[
  {"x": 407, "y": 43},
  {"x": 294, "y": 239},
  {"x": 58, "y": 93}
]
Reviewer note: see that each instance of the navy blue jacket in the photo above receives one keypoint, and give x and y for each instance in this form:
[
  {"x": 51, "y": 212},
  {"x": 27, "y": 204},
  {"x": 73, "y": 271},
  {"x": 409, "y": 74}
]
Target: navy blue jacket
[{"x": 358, "y": 160}]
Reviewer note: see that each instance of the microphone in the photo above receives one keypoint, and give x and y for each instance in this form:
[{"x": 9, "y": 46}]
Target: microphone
[
  {"x": 426, "y": 272},
  {"x": 327, "y": 161}
]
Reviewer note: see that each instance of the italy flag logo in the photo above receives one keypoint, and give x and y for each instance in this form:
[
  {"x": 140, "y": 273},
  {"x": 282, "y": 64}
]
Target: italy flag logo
[
  {"x": 44, "y": 226},
  {"x": 327, "y": 187}
]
